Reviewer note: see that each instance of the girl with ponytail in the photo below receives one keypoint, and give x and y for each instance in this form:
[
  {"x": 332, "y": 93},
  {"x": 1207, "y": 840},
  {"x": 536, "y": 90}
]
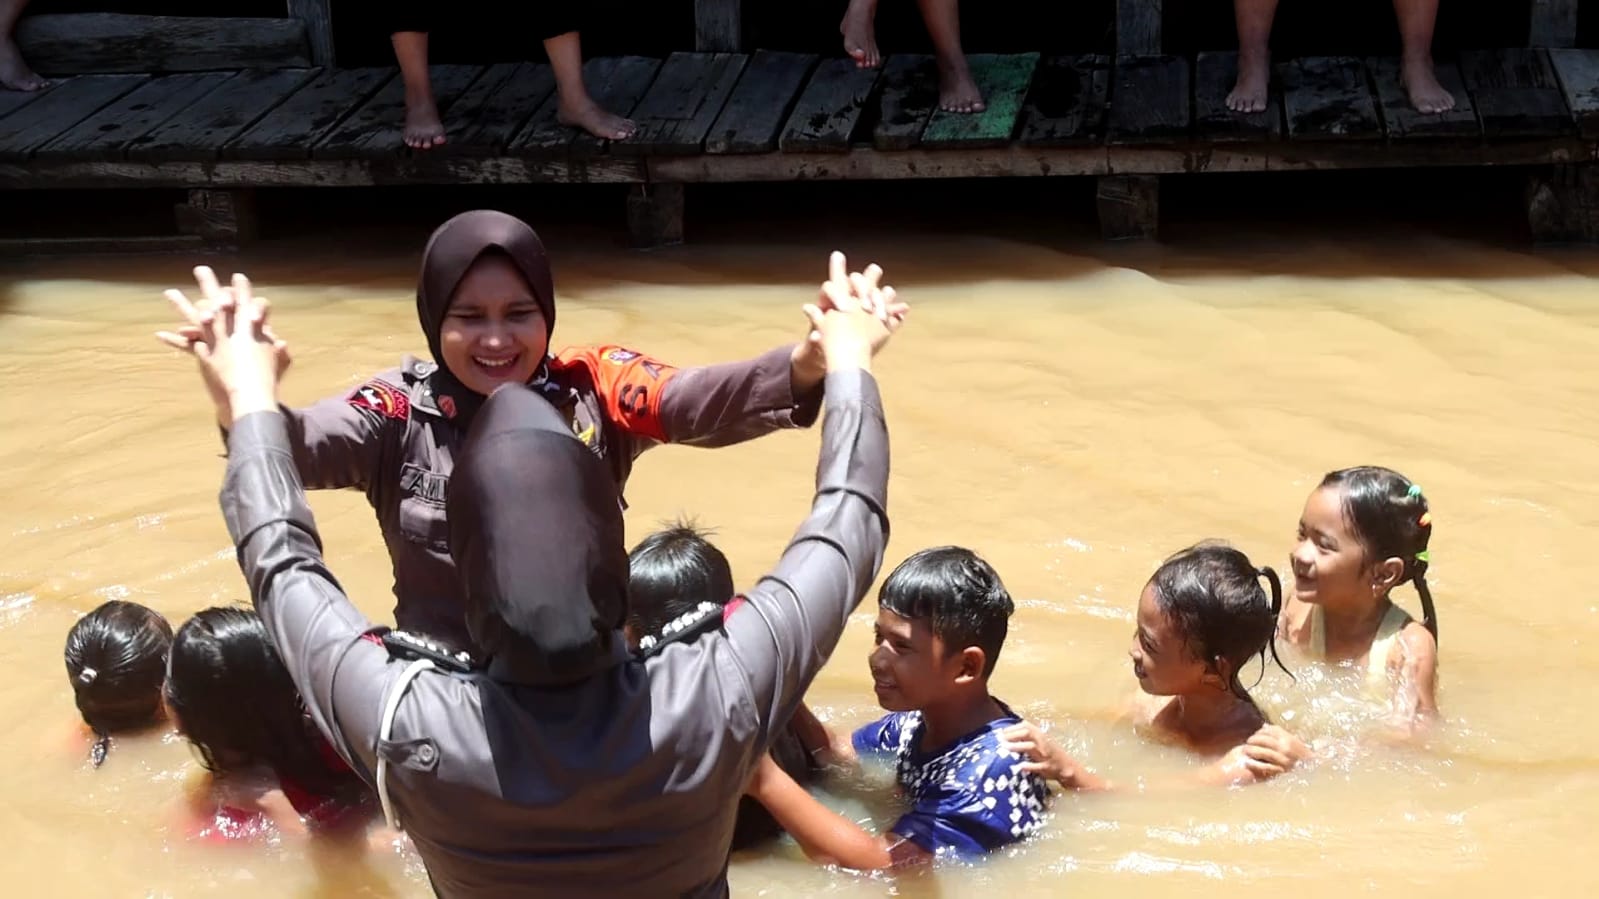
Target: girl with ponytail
[{"x": 116, "y": 661}]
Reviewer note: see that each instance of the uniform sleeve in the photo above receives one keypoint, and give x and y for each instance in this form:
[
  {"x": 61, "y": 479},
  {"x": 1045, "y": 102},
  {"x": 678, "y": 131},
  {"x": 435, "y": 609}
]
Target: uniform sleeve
[
  {"x": 316, "y": 629},
  {"x": 731, "y": 402},
  {"x": 985, "y": 805},
  {"x": 336, "y": 441},
  {"x": 793, "y": 617}
]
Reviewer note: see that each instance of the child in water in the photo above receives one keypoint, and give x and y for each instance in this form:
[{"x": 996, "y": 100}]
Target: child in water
[
  {"x": 116, "y": 660},
  {"x": 1363, "y": 532},
  {"x": 230, "y": 695},
  {"x": 941, "y": 621},
  {"x": 1201, "y": 617}
]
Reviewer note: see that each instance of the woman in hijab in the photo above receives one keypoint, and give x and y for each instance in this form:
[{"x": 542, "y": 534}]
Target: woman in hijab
[
  {"x": 486, "y": 303},
  {"x": 559, "y": 763}
]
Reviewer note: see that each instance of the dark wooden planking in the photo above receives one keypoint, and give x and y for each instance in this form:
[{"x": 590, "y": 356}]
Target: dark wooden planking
[
  {"x": 1405, "y": 122},
  {"x": 1553, "y": 23},
  {"x": 718, "y": 26},
  {"x": 290, "y": 130},
  {"x": 1578, "y": 74},
  {"x": 1138, "y": 27},
  {"x": 682, "y": 103},
  {"x": 61, "y": 107},
  {"x": 827, "y": 111},
  {"x": 482, "y": 121},
  {"x": 201, "y": 130},
  {"x": 907, "y": 96},
  {"x": 615, "y": 83},
  {"x": 1003, "y": 80},
  {"x": 1327, "y": 97},
  {"x": 1516, "y": 93},
  {"x": 317, "y": 15},
  {"x": 11, "y": 101},
  {"x": 760, "y": 103},
  {"x": 106, "y": 134},
  {"x": 377, "y": 127},
  {"x": 1214, "y": 77},
  {"x": 1068, "y": 102},
  {"x": 1150, "y": 100},
  {"x": 74, "y": 43}
]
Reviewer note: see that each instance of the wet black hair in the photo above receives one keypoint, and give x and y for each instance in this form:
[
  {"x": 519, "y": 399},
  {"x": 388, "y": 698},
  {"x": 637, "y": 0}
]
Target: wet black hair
[
  {"x": 957, "y": 593},
  {"x": 670, "y": 573},
  {"x": 1391, "y": 518},
  {"x": 234, "y": 701},
  {"x": 116, "y": 660},
  {"x": 1213, "y": 594}
]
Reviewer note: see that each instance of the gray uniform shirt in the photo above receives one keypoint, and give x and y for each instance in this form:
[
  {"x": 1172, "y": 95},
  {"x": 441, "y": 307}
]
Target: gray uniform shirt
[{"x": 625, "y": 784}]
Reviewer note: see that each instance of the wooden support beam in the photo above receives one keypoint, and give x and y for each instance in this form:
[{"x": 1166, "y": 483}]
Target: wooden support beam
[
  {"x": 718, "y": 26},
  {"x": 655, "y": 215},
  {"x": 1129, "y": 206},
  {"x": 222, "y": 218},
  {"x": 79, "y": 43},
  {"x": 1554, "y": 24},
  {"x": 1138, "y": 27},
  {"x": 318, "y": 18},
  {"x": 1563, "y": 204}
]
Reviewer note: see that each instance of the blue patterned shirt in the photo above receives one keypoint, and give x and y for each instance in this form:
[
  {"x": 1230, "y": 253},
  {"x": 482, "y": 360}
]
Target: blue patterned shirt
[{"x": 968, "y": 799}]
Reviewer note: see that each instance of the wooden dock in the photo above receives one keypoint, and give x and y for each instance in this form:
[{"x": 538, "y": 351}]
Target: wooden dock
[{"x": 780, "y": 116}]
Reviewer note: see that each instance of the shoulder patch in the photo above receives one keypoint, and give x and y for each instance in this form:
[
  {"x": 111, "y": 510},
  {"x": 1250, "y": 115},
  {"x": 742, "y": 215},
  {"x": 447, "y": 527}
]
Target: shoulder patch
[
  {"x": 620, "y": 356},
  {"x": 382, "y": 398}
]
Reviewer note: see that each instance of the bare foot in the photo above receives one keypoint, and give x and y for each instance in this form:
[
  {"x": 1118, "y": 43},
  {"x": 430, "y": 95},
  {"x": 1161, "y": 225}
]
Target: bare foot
[
  {"x": 860, "y": 35},
  {"x": 1254, "y": 75},
  {"x": 957, "y": 92},
  {"x": 1421, "y": 83},
  {"x": 423, "y": 130},
  {"x": 588, "y": 115},
  {"x": 14, "y": 73}
]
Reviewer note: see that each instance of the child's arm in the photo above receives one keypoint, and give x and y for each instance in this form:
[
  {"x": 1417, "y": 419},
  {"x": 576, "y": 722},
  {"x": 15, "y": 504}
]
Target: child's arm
[
  {"x": 819, "y": 740},
  {"x": 1047, "y": 759},
  {"x": 1415, "y": 699},
  {"x": 1268, "y": 753},
  {"x": 826, "y": 836}
]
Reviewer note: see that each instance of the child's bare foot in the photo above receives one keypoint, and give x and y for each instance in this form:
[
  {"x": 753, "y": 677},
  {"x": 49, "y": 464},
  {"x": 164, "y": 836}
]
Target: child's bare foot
[
  {"x": 1254, "y": 76},
  {"x": 1421, "y": 83},
  {"x": 14, "y": 72},
  {"x": 423, "y": 130},
  {"x": 957, "y": 92},
  {"x": 588, "y": 115},
  {"x": 860, "y": 34}
]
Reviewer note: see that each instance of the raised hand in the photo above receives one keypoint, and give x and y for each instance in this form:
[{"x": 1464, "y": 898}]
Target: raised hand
[
  {"x": 238, "y": 355},
  {"x": 865, "y": 288},
  {"x": 196, "y": 317}
]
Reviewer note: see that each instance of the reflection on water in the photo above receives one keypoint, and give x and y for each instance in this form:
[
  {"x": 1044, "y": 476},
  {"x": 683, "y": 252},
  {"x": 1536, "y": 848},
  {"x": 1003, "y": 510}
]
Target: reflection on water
[{"x": 1073, "y": 414}]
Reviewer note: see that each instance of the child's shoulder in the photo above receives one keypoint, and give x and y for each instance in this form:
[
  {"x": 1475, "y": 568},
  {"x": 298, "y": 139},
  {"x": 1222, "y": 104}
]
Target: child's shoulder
[{"x": 1293, "y": 623}]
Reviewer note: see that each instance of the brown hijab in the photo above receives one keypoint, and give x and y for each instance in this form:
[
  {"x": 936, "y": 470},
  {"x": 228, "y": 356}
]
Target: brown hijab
[{"x": 450, "y": 252}]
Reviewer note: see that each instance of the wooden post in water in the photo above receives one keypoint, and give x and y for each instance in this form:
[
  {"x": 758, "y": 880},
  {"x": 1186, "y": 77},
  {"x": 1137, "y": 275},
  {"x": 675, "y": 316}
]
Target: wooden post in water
[
  {"x": 1129, "y": 205},
  {"x": 318, "y": 18},
  {"x": 718, "y": 26},
  {"x": 1554, "y": 24},
  {"x": 655, "y": 215},
  {"x": 221, "y": 218}
]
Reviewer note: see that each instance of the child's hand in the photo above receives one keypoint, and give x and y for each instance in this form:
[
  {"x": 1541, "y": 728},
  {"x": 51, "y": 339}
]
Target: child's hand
[
  {"x": 1270, "y": 752},
  {"x": 1273, "y": 739},
  {"x": 1045, "y": 756}
]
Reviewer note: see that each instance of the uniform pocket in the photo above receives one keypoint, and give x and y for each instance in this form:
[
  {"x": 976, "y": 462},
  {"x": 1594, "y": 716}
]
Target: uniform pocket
[{"x": 422, "y": 522}]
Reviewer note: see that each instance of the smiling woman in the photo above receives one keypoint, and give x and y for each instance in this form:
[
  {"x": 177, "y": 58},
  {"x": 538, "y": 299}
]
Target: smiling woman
[{"x": 495, "y": 331}]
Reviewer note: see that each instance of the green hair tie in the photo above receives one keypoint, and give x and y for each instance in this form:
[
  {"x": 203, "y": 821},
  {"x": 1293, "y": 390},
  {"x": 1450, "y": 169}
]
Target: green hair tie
[
  {"x": 1415, "y": 490},
  {"x": 1424, "y": 556}
]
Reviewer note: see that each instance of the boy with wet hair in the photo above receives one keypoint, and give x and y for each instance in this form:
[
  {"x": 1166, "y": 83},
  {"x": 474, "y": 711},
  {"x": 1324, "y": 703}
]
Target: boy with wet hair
[{"x": 941, "y": 622}]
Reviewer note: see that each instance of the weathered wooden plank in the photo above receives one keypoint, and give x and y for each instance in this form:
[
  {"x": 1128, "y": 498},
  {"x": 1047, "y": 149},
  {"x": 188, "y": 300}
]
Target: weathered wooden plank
[
  {"x": 375, "y": 129},
  {"x": 1003, "y": 80},
  {"x": 201, "y": 130},
  {"x": 61, "y": 107},
  {"x": 74, "y": 43},
  {"x": 1516, "y": 93},
  {"x": 718, "y": 26},
  {"x": 907, "y": 96},
  {"x": 1068, "y": 102},
  {"x": 107, "y": 133},
  {"x": 317, "y": 15},
  {"x": 1405, "y": 122},
  {"x": 11, "y": 101},
  {"x": 482, "y": 121},
  {"x": 1150, "y": 100},
  {"x": 293, "y": 128},
  {"x": 1326, "y": 97},
  {"x": 1578, "y": 74},
  {"x": 825, "y": 115},
  {"x": 682, "y": 103},
  {"x": 615, "y": 83},
  {"x": 1129, "y": 206},
  {"x": 1553, "y": 23},
  {"x": 760, "y": 103},
  {"x": 1214, "y": 76},
  {"x": 1138, "y": 27},
  {"x": 387, "y": 171}
]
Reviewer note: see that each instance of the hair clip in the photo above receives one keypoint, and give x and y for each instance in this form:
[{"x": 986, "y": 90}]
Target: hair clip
[
  {"x": 1415, "y": 490},
  {"x": 1424, "y": 556},
  {"x": 1425, "y": 520}
]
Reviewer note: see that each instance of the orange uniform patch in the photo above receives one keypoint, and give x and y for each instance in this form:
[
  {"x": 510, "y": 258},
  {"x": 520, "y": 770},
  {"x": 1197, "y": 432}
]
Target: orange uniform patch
[{"x": 629, "y": 385}]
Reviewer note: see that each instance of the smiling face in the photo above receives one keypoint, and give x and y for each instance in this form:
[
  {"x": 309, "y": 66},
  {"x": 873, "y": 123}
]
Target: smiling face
[
  {"x": 1162, "y": 661},
  {"x": 910, "y": 669},
  {"x": 494, "y": 332},
  {"x": 1328, "y": 560}
]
